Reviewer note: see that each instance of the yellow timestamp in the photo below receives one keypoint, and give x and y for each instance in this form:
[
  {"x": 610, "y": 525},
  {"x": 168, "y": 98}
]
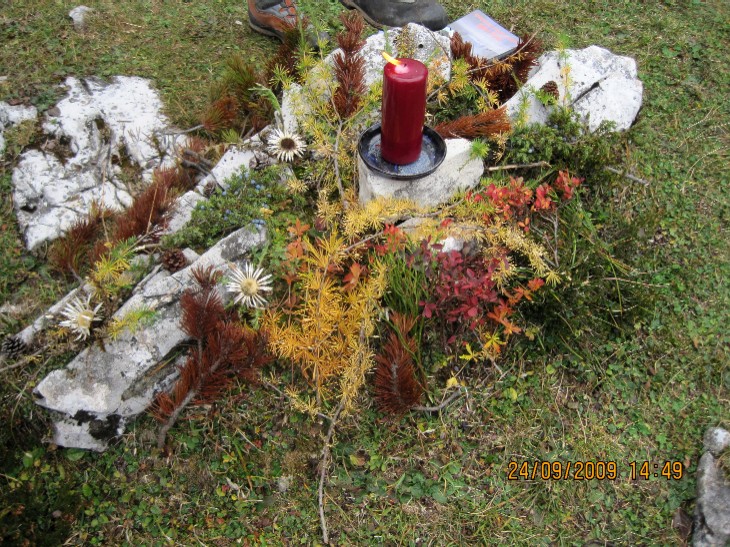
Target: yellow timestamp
[
  {"x": 590, "y": 470},
  {"x": 670, "y": 470}
]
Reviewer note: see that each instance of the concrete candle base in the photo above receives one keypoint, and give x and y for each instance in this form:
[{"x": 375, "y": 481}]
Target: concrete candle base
[{"x": 457, "y": 173}]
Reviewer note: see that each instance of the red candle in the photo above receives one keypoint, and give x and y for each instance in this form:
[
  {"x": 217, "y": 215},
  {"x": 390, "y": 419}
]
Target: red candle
[{"x": 404, "y": 110}]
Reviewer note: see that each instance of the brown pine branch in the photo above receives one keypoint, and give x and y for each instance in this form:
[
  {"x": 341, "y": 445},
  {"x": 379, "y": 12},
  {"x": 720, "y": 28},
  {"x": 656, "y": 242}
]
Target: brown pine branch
[
  {"x": 486, "y": 124},
  {"x": 349, "y": 66},
  {"x": 67, "y": 253},
  {"x": 396, "y": 387},
  {"x": 224, "y": 351},
  {"x": 504, "y": 76},
  {"x": 287, "y": 55}
]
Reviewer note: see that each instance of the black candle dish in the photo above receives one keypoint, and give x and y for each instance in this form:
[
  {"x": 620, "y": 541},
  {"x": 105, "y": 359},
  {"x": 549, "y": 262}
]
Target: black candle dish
[{"x": 433, "y": 152}]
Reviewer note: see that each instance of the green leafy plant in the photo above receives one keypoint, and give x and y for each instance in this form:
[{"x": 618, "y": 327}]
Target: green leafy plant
[{"x": 258, "y": 197}]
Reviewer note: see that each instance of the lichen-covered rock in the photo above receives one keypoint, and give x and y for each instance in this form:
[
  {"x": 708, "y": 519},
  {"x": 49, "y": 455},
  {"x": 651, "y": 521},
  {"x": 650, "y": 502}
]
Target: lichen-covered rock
[
  {"x": 601, "y": 87},
  {"x": 78, "y": 16},
  {"x": 101, "y": 390},
  {"x": 716, "y": 441},
  {"x": 92, "y": 136},
  {"x": 432, "y": 48},
  {"x": 712, "y": 511}
]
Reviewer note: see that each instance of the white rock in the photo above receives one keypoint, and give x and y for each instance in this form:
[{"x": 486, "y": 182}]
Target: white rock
[
  {"x": 458, "y": 172},
  {"x": 716, "y": 440},
  {"x": 712, "y": 508},
  {"x": 451, "y": 244},
  {"x": 95, "y": 395},
  {"x": 233, "y": 161},
  {"x": 431, "y": 48},
  {"x": 78, "y": 15},
  {"x": 292, "y": 103},
  {"x": 183, "y": 211},
  {"x": 601, "y": 87},
  {"x": 13, "y": 115},
  {"x": 49, "y": 198},
  {"x": 100, "y": 124}
]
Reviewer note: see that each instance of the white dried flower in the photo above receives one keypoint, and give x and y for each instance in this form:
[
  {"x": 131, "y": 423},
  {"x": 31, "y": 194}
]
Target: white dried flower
[
  {"x": 285, "y": 146},
  {"x": 79, "y": 317},
  {"x": 248, "y": 284}
]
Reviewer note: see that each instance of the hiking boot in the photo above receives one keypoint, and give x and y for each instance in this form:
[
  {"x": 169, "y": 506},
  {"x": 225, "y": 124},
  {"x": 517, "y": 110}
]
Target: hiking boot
[
  {"x": 275, "y": 19},
  {"x": 397, "y": 13}
]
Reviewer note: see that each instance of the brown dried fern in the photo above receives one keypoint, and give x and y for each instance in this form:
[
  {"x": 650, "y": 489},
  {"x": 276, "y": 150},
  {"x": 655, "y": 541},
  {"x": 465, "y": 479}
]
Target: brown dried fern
[
  {"x": 148, "y": 209},
  {"x": 67, "y": 253},
  {"x": 349, "y": 66},
  {"x": 396, "y": 387},
  {"x": 485, "y": 125},
  {"x": 503, "y": 76}
]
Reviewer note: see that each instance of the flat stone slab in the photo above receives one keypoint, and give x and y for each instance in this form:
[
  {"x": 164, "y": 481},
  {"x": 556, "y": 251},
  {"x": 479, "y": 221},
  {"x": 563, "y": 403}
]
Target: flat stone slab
[
  {"x": 458, "y": 172},
  {"x": 601, "y": 87},
  {"x": 232, "y": 162},
  {"x": 100, "y": 391},
  {"x": 98, "y": 128}
]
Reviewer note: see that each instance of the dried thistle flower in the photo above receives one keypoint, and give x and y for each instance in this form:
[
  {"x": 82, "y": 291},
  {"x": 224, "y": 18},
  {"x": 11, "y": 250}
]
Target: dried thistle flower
[
  {"x": 285, "y": 146},
  {"x": 79, "y": 317},
  {"x": 248, "y": 284}
]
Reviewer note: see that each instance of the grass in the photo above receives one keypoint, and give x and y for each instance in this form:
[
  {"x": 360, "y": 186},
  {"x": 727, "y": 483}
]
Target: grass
[{"x": 639, "y": 390}]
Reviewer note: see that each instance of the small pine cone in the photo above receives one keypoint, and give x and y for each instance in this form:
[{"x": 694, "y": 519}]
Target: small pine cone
[
  {"x": 174, "y": 260},
  {"x": 551, "y": 88},
  {"x": 13, "y": 347}
]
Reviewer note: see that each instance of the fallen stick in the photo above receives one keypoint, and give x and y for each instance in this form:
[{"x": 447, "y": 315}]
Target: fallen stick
[
  {"x": 324, "y": 462},
  {"x": 518, "y": 166},
  {"x": 627, "y": 175},
  {"x": 455, "y": 395}
]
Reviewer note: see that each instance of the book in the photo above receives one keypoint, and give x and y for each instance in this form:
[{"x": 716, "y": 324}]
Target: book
[{"x": 488, "y": 38}]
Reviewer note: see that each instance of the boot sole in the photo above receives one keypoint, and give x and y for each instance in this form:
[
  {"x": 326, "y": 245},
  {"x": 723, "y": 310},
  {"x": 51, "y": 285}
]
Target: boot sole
[
  {"x": 351, "y": 5},
  {"x": 264, "y": 30}
]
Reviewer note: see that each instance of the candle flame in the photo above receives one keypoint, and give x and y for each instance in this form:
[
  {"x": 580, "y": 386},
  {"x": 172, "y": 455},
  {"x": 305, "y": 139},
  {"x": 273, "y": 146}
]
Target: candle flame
[{"x": 392, "y": 60}]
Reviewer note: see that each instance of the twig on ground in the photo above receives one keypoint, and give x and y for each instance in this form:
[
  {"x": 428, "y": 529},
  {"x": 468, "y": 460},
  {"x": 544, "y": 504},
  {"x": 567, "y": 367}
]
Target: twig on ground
[
  {"x": 518, "y": 166},
  {"x": 622, "y": 280},
  {"x": 184, "y": 131},
  {"x": 324, "y": 463},
  {"x": 455, "y": 395},
  {"x": 24, "y": 361},
  {"x": 627, "y": 175}
]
